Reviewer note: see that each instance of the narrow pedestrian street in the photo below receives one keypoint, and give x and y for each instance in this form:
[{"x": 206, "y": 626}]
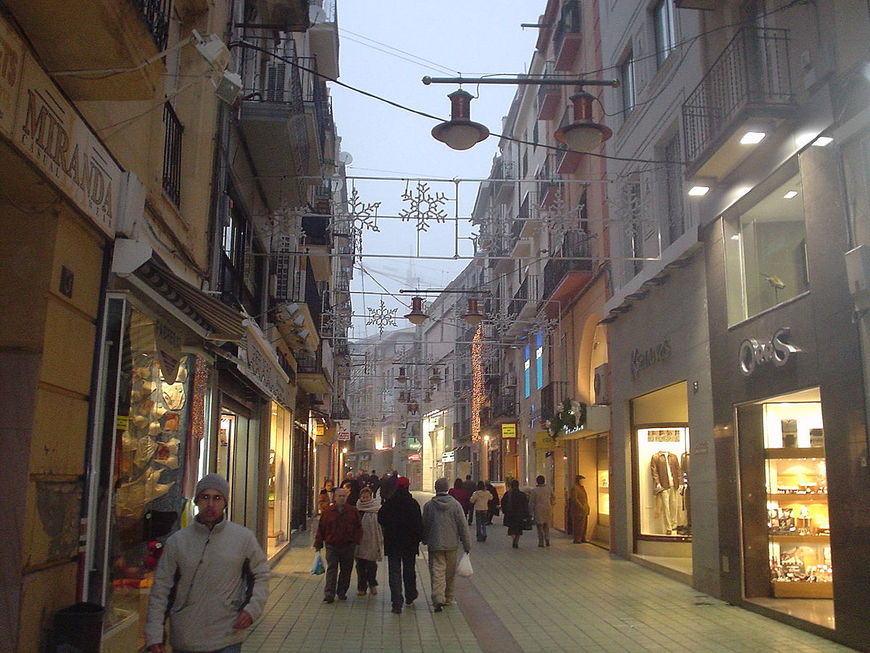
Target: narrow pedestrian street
[{"x": 568, "y": 597}]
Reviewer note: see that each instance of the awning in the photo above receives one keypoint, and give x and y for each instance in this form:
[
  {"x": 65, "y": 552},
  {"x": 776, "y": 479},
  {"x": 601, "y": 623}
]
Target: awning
[{"x": 208, "y": 317}]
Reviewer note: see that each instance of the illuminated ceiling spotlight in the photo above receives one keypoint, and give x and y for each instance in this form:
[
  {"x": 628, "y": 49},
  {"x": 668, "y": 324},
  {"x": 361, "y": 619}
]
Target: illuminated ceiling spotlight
[
  {"x": 752, "y": 138},
  {"x": 698, "y": 191},
  {"x": 790, "y": 195}
]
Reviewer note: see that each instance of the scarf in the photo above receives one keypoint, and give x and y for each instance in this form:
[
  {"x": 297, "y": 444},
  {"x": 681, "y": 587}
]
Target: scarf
[{"x": 371, "y": 505}]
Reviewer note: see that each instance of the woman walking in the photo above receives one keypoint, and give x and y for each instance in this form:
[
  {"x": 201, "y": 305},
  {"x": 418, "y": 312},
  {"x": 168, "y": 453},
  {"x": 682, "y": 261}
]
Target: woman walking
[
  {"x": 371, "y": 549},
  {"x": 480, "y": 502},
  {"x": 326, "y": 496},
  {"x": 462, "y": 495},
  {"x": 515, "y": 506}
]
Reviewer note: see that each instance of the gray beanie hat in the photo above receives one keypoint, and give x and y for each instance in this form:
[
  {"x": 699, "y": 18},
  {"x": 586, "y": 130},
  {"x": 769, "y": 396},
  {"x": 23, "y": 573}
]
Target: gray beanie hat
[
  {"x": 441, "y": 485},
  {"x": 213, "y": 482}
]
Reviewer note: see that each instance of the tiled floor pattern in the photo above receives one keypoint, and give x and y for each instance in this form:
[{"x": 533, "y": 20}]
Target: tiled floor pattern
[{"x": 563, "y": 598}]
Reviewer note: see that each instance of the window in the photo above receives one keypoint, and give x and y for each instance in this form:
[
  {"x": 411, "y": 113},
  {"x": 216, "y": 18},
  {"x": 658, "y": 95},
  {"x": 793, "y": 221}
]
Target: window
[
  {"x": 527, "y": 372},
  {"x": 172, "y": 154},
  {"x": 674, "y": 219},
  {"x": 626, "y": 78},
  {"x": 666, "y": 39},
  {"x": 632, "y": 231},
  {"x": 765, "y": 252}
]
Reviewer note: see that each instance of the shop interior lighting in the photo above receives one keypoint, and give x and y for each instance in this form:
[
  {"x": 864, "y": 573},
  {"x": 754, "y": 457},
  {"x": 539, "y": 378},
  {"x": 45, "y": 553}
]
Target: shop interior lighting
[
  {"x": 752, "y": 138},
  {"x": 698, "y": 191}
]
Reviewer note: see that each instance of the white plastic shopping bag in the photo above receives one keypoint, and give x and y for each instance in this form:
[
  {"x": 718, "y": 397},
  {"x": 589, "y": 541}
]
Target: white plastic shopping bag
[
  {"x": 317, "y": 567},
  {"x": 464, "y": 566}
]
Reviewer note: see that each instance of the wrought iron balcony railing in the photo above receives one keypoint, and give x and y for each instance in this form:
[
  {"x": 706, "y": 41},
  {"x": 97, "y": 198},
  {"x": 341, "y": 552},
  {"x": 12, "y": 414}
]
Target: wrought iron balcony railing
[
  {"x": 750, "y": 76},
  {"x": 155, "y": 13}
]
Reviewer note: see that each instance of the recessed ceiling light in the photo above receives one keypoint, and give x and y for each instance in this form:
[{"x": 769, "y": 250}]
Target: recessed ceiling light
[
  {"x": 699, "y": 191},
  {"x": 822, "y": 141},
  {"x": 751, "y": 138},
  {"x": 735, "y": 236},
  {"x": 790, "y": 194}
]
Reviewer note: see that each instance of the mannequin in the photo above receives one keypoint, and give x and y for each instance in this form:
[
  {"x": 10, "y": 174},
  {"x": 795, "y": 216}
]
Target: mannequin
[
  {"x": 685, "y": 490},
  {"x": 667, "y": 477}
]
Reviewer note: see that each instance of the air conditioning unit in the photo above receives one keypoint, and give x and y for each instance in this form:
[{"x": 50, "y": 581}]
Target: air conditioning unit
[
  {"x": 276, "y": 74},
  {"x": 601, "y": 385}
]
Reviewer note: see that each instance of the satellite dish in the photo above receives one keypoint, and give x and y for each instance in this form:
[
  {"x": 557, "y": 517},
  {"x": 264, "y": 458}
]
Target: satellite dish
[{"x": 345, "y": 158}]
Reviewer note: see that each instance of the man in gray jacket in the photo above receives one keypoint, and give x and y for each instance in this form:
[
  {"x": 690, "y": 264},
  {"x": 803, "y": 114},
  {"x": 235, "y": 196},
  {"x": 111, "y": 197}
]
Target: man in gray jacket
[
  {"x": 220, "y": 576},
  {"x": 444, "y": 527}
]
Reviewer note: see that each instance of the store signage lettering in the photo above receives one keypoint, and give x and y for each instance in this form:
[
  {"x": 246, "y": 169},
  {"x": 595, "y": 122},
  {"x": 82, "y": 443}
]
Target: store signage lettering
[
  {"x": 508, "y": 430},
  {"x": 262, "y": 369},
  {"x": 642, "y": 359},
  {"x": 448, "y": 456},
  {"x": 777, "y": 351},
  {"x": 343, "y": 428}
]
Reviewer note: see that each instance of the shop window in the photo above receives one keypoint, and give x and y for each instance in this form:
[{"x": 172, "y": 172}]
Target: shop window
[
  {"x": 765, "y": 252},
  {"x": 791, "y": 471},
  {"x": 662, "y": 470}
]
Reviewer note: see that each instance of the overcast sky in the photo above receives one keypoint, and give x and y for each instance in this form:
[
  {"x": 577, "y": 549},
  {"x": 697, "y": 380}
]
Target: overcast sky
[{"x": 386, "y": 47}]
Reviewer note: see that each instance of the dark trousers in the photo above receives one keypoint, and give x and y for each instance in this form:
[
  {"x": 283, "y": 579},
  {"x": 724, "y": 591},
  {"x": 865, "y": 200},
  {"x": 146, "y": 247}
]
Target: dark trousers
[
  {"x": 481, "y": 516},
  {"x": 366, "y": 574},
  {"x": 339, "y": 565},
  {"x": 402, "y": 572}
]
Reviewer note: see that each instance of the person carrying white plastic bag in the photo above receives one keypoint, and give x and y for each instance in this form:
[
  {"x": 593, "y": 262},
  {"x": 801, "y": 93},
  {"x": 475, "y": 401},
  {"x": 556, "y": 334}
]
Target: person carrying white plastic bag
[
  {"x": 317, "y": 567},
  {"x": 464, "y": 567}
]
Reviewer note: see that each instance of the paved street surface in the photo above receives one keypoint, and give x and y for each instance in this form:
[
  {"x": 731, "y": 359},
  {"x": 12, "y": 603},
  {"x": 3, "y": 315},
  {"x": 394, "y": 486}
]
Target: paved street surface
[{"x": 568, "y": 597}]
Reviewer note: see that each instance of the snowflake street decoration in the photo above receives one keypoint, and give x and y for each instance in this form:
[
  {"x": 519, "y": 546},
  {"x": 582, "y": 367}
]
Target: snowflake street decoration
[
  {"x": 559, "y": 219},
  {"x": 542, "y": 323},
  {"x": 502, "y": 322},
  {"x": 382, "y": 316},
  {"x": 365, "y": 216},
  {"x": 423, "y": 206}
]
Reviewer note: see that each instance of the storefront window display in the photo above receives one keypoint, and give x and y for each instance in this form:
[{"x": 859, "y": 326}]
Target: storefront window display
[
  {"x": 797, "y": 496},
  {"x": 280, "y": 459},
  {"x": 142, "y": 471}
]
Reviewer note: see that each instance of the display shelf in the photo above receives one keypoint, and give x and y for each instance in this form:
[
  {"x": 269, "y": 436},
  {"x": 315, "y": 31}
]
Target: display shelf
[
  {"x": 801, "y": 589},
  {"x": 789, "y": 497},
  {"x": 801, "y": 539},
  {"x": 797, "y": 453}
]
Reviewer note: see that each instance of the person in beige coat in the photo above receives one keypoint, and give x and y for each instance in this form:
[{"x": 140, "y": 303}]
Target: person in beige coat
[
  {"x": 541, "y": 500},
  {"x": 371, "y": 549}
]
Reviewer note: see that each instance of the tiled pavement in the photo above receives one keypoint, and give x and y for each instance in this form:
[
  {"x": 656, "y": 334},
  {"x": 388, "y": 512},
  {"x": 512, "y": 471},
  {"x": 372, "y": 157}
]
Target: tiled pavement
[{"x": 568, "y": 597}]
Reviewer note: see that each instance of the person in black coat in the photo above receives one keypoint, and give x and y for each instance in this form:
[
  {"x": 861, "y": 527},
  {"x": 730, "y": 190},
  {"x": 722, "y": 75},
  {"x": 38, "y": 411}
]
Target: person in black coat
[
  {"x": 402, "y": 524},
  {"x": 515, "y": 506},
  {"x": 493, "y": 504}
]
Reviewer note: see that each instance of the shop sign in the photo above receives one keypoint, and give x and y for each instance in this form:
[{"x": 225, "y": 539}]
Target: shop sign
[
  {"x": 642, "y": 359},
  {"x": 11, "y": 60},
  {"x": 50, "y": 132},
  {"x": 343, "y": 428},
  {"x": 415, "y": 457},
  {"x": 508, "y": 430},
  {"x": 265, "y": 370},
  {"x": 776, "y": 351},
  {"x": 448, "y": 457}
]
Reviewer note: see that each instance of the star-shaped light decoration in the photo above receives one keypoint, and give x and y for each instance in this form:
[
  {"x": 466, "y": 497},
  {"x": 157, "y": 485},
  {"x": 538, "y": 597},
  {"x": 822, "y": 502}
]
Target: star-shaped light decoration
[
  {"x": 423, "y": 206},
  {"x": 382, "y": 316}
]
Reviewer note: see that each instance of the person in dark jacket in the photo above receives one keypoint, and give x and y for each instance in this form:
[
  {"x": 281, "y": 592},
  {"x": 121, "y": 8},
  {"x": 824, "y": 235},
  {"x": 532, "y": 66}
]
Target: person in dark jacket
[
  {"x": 352, "y": 486},
  {"x": 515, "y": 506},
  {"x": 388, "y": 486},
  {"x": 469, "y": 486},
  {"x": 462, "y": 495},
  {"x": 493, "y": 503},
  {"x": 340, "y": 528},
  {"x": 374, "y": 483},
  {"x": 402, "y": 524}
]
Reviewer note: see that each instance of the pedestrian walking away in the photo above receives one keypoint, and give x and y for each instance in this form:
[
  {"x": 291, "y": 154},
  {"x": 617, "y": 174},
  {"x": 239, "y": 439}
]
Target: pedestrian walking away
[
  {"x": 579, "y": 510},
  {"x": 371, "y": 548},
  {"x": 462, "y": 495},
  {"x": 515, "y": 506},
  {"x": 480, "y": 504},
  {"x": 541, "y": 500},
  {"x": 444, "y": 530},
  {"x": 340, "y": 529},
  {"x": 374, "y": 483},
  {"x": 469, "y": 486},
  {"x": 493, "y": 504},
  {"x": 388, "y": 486},
  {"x": 218, "y": 575},
  {"x": 402, "y": 524}
]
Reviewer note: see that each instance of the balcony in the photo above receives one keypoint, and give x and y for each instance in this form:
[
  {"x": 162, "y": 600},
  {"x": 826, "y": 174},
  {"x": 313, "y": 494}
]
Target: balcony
[
  {"x": 552, "y": 395},
  {"x": 524, "y": 304},
  {"x": 749, "y": 84},
  {"x": 504, "y": 407},
  {"x": 287, "y": 15},
  {"x": 566, "y": 37},
  {"x": 563, "y": 279},
  {"x": 323, "y": 37},
  {"x": 284, "y": 117},
  {"x": 109, "y": 34},
  {"x": 503, "y": 184},
  {"x": 310, "y": 373},
  {"x": 549, "y": 95},
  {"x": 548, "y": 19}
]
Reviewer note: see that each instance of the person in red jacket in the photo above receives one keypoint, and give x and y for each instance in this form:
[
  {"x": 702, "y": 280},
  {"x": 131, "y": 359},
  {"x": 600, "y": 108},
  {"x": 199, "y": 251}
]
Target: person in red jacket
[{"x": 340, "y": 529}]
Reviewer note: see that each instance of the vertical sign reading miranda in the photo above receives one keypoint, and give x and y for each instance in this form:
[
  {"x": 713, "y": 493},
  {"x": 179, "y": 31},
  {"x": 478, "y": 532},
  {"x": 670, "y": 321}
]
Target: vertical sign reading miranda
[{"x": 49, "y": 131}]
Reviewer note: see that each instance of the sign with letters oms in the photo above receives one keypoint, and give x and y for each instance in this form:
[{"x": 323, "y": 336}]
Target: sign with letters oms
[{"x": 777, "y": 351}]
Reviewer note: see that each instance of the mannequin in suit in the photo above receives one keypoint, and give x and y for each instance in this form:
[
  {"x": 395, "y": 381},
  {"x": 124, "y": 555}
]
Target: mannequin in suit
[{"x": 667, "y": 478}]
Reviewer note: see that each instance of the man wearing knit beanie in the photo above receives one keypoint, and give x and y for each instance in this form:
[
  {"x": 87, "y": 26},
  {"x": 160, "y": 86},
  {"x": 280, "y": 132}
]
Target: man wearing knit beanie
[
  {"x": 220, "y": 578},
  {"x": 444, "y": 530}
]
